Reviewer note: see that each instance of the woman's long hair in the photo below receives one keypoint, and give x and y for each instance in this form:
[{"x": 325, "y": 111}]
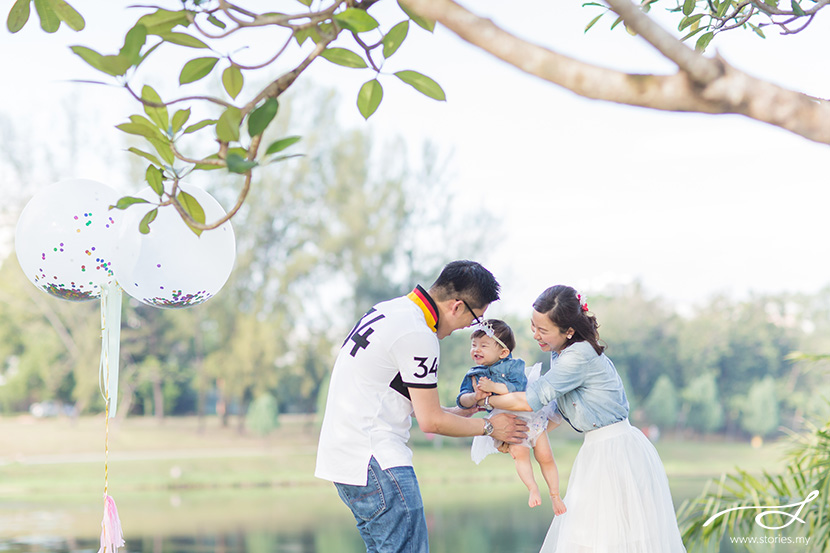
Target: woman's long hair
[{"x": 563, "y": 306}]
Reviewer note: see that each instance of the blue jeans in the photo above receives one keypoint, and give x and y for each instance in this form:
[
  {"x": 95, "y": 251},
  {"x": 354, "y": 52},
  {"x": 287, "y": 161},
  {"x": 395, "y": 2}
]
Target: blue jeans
[{"x": 388, "y": 510}]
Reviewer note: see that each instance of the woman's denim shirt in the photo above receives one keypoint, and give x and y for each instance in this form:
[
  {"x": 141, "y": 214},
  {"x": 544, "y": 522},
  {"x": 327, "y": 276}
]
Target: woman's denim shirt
[
  {"x": 585, "y": 386},
  {"x": 508, "y": 371}
]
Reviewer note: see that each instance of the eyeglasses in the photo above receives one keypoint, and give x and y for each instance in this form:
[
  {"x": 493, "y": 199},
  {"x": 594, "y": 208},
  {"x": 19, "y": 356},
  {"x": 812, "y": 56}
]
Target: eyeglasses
[{"x": 476, "y": 320}]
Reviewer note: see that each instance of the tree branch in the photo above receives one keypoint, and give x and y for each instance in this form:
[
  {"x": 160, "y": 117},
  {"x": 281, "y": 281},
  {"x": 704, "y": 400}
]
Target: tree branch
[
  {"x": 701, "y": 70},
  {"x": 732, "y": 91}
]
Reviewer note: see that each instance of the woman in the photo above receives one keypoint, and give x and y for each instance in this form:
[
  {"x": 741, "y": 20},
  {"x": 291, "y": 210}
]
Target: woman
[{"x": 618, "y": 495}]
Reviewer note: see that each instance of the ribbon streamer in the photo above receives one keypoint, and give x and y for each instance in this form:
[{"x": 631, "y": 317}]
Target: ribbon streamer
[
  {"x": 110, "y": 345},
  {"x": 111, "y": 535}
]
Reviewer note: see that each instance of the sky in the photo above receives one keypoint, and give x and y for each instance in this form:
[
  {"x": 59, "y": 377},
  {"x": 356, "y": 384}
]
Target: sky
[{"x": 587, "y": 193}]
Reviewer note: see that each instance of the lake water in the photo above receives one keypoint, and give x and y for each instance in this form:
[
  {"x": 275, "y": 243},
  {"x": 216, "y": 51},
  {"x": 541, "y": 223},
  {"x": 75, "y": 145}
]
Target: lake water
[{"x": 272, "y": 520}]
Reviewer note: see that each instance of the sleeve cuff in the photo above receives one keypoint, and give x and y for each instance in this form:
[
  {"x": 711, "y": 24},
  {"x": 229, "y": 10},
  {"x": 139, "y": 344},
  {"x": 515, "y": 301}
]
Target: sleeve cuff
[{"x": 533, "y": 398}]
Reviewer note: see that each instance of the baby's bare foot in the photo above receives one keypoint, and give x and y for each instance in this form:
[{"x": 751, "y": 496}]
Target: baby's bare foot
[{"x": 535, "y": 499}]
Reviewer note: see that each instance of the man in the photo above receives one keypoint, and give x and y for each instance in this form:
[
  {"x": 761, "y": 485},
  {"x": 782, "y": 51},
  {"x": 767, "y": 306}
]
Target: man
[{"x": 387, "y": 369}]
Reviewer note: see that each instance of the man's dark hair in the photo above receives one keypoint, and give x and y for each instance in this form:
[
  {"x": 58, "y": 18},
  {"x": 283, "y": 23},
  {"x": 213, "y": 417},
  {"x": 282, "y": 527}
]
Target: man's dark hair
[{"x": 467, "y": 280}]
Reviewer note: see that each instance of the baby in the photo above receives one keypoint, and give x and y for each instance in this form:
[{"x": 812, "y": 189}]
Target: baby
[{"x": 497, "y": 372}]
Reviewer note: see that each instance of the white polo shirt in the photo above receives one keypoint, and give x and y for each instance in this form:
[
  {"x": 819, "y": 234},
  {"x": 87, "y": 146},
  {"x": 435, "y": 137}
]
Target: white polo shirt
[{"x": 393, "y": 347}]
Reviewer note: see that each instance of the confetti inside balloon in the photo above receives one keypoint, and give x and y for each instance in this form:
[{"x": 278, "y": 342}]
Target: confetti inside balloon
[
  {"x": 172, "y": 267},
  {"x": 65, "y": 238}
]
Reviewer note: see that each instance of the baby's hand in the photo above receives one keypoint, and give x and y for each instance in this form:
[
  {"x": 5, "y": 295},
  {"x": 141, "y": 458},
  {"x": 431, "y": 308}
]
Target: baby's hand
[
  {"x": 480, "y": 394},
  {"x": 558, "y": 506},
  {"x": 485, "y": 384}
]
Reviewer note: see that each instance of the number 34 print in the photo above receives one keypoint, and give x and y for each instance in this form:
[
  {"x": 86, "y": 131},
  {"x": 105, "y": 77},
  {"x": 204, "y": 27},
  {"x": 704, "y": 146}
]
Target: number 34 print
[{"x": 427, "y": 366}]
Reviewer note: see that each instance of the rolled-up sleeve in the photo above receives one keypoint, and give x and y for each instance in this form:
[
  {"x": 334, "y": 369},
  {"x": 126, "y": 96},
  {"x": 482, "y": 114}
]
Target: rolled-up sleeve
[
  {"x": 516, "y": 381},
  {"x": 567, "y": 373}
]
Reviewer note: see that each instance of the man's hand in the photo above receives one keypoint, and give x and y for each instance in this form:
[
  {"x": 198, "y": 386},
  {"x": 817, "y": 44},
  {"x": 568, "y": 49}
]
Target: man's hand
[
  {"x": 470, "y": 411},
  {"x": 508, "y": 428}
]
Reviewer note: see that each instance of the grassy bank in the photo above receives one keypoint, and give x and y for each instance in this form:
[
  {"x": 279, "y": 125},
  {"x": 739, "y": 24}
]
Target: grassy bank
[
  {"x": 186, "y": 474},
  {"x": 66, "y": 457}
]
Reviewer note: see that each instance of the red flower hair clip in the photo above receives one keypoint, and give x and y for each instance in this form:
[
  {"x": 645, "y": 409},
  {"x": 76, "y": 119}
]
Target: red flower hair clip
[{"x": 583, "y": 303}]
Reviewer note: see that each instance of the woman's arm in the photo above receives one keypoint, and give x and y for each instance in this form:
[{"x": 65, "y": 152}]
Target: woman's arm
[{"x": 516, "y": 401}]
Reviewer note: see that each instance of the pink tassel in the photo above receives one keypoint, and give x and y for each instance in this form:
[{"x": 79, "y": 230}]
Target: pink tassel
[{"x": 111, "y": 536}]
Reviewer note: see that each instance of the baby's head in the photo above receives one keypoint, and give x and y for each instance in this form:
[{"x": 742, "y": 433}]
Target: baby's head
[{"x": 491, "y": 342}]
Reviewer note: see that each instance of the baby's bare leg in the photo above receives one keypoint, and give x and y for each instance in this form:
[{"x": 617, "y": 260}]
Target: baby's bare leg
[
  {"x": 544, "y": 456},
  {"x": 521, "y": 455}
]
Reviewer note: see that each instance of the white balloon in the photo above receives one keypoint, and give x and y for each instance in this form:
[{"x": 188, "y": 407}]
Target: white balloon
[
  {"x": 66, "y": 236},
  {"x": 172, "y": 267}
]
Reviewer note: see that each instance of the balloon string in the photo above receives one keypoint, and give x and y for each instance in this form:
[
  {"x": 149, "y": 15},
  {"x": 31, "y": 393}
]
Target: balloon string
[{"x": 106, "y": 450}]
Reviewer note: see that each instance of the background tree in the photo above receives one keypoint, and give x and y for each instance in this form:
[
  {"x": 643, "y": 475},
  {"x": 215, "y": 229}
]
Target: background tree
[
  {"x": 759, "y": 409},
  {"x": 662, "y": 404}
]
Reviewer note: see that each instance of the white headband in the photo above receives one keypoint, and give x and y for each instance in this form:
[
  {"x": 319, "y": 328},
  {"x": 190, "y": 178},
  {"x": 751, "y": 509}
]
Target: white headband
[{"x": 487, "y": 328}]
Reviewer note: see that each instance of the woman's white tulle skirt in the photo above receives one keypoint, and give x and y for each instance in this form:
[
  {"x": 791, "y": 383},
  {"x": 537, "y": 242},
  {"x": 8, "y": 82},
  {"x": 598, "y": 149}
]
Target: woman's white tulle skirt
[{"x": 618, "y": 498}]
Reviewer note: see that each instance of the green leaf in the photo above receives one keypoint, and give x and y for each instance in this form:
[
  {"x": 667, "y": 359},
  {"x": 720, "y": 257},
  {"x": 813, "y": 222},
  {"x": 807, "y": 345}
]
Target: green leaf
[
  {"x": 67, "y": 14},
  {"x": 355, "y": 20},
  {"x": 159, "y": 116},
  {"x": 757, "y": 30},
  {"x": 616, "y": 22},
  {"x": 182, "y": 39},
  {"x": 422, "y": 84},
  {"x": 133, "y": 43},
  {"x": 197, "y": 69},
  {"x": 200, "y": 125},
  {"x": 282, "y": 144},
  {"x": 49, "y": 20},
  {"x": 693, "y": 33},
  {"x": 394, "y": 38},
  {"x": 306, "y": 3},
  {"x": 344, "y": 57},
  {"x": 179, "y": 119},
  {"x": 238, "y": 150},
  {"x": 127, "y": 201},
  {"x": 703, "y": 41},
  {"x": 262, "y": 116},
  {"x": 149, "y": 217},
  {"x": 162, "y": 21},
  {"x": 593, "y": 21},
  {"x": 686, "y": 21},
  {"x": 163, "y": 149},
  {"x": 238, "y": 164},
  {"x": 111, "y": 65},
  {"x": 227, "y": 127},
  {"x": 688, "y": 7},
  {"x": 283, "y": 158},
  {"x": 18, "y": 16},
  {"x": 149, "y": 157},
  {"x": 422, "y": 22},
  {"x": 216, "y": 22},
  {"x": 192, "y": 207},
  {"x": 369, "y": 97},
  {"x": 154, "y": 178},
  {"x": 797, "y": 8},
  {"x": 140, "y": 130},
  {"x": 232, "y": 80},
  {"x": 207, "y": 167},
  {"x": 724, "y": 5}
]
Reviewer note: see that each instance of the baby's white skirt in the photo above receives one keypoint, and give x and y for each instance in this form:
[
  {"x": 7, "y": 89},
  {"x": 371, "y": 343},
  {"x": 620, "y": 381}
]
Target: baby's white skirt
[{"x": 618, "y": 498}]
